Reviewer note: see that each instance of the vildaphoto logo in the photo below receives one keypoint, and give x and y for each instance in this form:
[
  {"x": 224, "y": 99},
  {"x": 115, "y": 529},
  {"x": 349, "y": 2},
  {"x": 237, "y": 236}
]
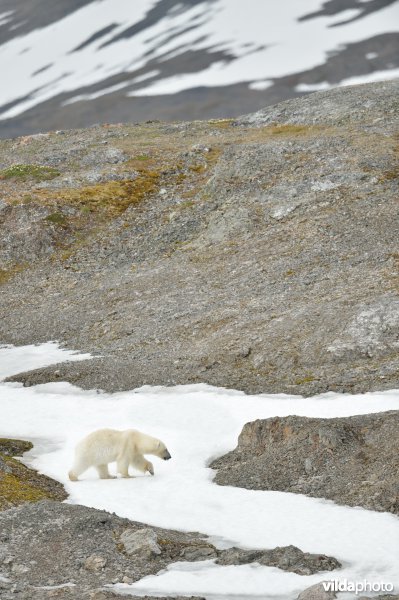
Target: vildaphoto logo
[{"x": 345, "y": 585}]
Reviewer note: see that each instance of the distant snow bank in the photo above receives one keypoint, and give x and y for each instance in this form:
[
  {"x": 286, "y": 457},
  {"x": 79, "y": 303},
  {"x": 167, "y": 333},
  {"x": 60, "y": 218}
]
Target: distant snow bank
[
  {"x": 258, "y": 43},
  {"x": 16, "y": 359},
  {"x": 358, "y": 80}
]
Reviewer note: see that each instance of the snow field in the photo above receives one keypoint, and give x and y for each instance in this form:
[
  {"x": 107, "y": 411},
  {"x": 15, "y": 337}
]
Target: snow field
[{"x": 198, "y": 423}]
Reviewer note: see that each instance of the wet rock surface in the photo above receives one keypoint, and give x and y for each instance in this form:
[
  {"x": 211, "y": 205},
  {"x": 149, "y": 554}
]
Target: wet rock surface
[{"x": 351, "y": 460}]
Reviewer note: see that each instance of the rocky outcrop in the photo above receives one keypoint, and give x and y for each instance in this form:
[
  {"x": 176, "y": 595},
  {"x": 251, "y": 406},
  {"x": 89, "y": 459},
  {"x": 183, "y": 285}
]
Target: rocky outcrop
[
  {"x": 288, "y": 558},
  {"x": 350, "y": 460},
  {"x": 94, "y": 548}
]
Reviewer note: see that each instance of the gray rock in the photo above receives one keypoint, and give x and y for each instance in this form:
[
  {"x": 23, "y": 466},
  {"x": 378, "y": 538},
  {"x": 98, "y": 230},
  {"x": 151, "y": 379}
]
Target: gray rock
[
  {"x": 95, "y": 563},
  {"x": 194, "y": 553},
  {"x": 4, "y": 467},
  {"x": 316, "y": 592},
  {"x": 288, "y": 558},
  {"x": 373, "y": 332},
  {"x": 144, "y": 542},
  {"x": 108, "y": 155},
  {"x": 50, "y": 549}
]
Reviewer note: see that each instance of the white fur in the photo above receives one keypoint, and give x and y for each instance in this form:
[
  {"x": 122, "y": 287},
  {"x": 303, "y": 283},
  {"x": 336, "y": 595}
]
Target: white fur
[{"x": 127, "y": 447}]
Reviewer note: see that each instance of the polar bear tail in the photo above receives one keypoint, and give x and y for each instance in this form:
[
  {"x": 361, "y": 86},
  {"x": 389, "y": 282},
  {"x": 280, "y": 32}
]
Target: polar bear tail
[{"x": 72, "y": 476}]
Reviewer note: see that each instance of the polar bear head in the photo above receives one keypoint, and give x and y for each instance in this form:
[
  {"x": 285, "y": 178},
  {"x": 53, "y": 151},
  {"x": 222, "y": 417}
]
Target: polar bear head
[
  {"x": 145, "y": 444},
  {"x": 162, "y": 451}
]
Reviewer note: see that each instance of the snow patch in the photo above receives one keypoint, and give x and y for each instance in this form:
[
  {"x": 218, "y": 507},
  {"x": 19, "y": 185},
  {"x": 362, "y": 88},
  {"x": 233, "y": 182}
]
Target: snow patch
[
  {"x": 260, "y": 85},
  {"x": 385, "y": 75},
  {"x": 18, "y": 359}
]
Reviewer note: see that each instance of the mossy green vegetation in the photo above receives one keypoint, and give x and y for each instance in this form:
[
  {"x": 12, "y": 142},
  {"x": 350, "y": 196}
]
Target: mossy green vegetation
[
  {"x": 25, "y": 172},
  {"x": 306, "y": 379},
  {"x": 18, "y": 483},
  {"x": 221, "y": 123},
  {"x": 186, "y": 204},
  {"x": 57, "y": 218},
  {"x": 289, "y": 129},
  {"x": 389, "y": 175},
  {"x": 6, "y": 274},
  {"x": 111, "y": 198}
]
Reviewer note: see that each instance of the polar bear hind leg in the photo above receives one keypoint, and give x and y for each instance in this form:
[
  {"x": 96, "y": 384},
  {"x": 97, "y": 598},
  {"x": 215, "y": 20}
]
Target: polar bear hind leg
[
  {"x": 122, "y": 465},
  {"x": 72, "y": 476},
  {"x": 103, "y": 472},
  {"x": 78, "y": 468}
]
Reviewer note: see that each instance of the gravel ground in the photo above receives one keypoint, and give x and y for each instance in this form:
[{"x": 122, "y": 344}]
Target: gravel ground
[{"x": 94, "y": 548}]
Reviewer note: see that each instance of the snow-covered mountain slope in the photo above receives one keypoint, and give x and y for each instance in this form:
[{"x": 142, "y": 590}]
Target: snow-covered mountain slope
[{"x": 75, "y": 62}]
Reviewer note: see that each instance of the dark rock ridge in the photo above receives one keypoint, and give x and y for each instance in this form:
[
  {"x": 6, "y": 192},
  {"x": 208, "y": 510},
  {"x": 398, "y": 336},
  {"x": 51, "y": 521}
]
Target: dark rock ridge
[
  {"x": 259, "y": 254},
  {"x": 47, "y": 545},
  {"x": 350, "y": 460}
]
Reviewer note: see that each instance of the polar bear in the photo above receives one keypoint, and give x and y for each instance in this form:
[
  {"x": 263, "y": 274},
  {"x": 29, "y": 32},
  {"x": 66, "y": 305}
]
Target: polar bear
[{"x": 109, "y": 445}]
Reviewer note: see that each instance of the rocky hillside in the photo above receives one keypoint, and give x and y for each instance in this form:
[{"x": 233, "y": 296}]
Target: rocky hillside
[{"x": 260, "y": 253}]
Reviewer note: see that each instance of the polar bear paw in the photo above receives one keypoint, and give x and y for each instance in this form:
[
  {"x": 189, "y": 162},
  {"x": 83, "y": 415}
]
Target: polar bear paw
[{"x": 149, "y": 467}]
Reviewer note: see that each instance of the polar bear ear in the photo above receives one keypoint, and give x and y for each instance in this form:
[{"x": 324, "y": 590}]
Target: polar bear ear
[{"x": 159, "y": 445}]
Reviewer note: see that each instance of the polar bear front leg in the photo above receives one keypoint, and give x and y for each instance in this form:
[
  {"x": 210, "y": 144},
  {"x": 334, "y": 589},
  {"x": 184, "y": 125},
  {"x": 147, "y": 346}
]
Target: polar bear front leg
[
  {"x": 149, "y": 467},
  {"x": 103, "y": 472},
  {"x": 123, "y": 467},
  {"x": 143, "y": 465}
]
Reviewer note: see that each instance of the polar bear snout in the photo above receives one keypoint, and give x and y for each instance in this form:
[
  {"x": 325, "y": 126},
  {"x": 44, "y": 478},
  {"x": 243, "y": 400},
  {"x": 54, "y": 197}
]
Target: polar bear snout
[{"x": 166, "y": 455}]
